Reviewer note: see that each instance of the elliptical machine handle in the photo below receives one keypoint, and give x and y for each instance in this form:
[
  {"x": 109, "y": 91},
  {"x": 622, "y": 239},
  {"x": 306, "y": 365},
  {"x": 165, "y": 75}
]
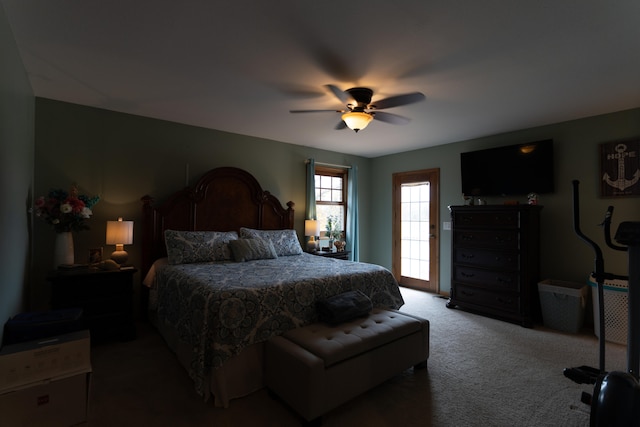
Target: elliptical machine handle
[
  {"x": 607, "y": 231},
  {"x": 599, "y": 259},
  {"x": 598, "y": 272}
]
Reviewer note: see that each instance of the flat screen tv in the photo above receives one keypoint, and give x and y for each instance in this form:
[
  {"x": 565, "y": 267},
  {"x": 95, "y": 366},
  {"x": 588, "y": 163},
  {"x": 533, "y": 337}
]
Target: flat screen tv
[{"x": 513, "y": 170}]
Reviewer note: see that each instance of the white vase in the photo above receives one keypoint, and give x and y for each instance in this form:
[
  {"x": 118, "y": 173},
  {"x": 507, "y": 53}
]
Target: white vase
[{"x": 63, "y": 251}]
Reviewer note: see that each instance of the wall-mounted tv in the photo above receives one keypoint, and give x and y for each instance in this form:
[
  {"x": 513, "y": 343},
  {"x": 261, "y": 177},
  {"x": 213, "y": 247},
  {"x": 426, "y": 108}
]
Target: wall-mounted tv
[{"x": 513, "y": 170}]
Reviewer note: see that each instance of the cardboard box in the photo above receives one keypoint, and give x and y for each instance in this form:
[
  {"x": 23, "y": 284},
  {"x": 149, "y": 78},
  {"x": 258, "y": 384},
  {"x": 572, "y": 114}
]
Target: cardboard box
[
  {"x": 29, "y": 362},
  {"x": 62, "y": 401}
]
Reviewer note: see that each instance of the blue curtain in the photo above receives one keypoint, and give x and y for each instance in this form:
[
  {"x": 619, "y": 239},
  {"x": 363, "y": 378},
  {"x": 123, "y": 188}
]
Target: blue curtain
[
  {"x": 311, "y": 190},
  {"x": 353, "y": 230}
]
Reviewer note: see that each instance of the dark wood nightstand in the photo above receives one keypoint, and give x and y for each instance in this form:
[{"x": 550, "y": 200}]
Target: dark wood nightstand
[
  {"x": 106, "y": 298},
  {"x": 338, "y": 255}
]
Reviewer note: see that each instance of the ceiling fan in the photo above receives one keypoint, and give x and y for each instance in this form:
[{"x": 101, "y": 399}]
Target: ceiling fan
[{"x": 360, "y": 111}]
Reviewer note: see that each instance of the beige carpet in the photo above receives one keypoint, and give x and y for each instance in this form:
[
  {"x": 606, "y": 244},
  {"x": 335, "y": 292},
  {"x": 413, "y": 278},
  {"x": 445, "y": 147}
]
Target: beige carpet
[{"x": 482, "y": 372}]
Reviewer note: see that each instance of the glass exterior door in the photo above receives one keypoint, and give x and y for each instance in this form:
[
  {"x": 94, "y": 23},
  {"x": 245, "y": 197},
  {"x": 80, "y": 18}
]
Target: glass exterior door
[{"x": 415, "y": 249}]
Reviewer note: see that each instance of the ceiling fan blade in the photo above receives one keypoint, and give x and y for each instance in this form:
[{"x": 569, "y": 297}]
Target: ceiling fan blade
[
  {"x": 316, "y": 111},
  {"x": 343, "y": 96},
  {"x": 398, "y": 100},
  {"x": 394, "y": 119},
  {"x": 340, "y": 125}
]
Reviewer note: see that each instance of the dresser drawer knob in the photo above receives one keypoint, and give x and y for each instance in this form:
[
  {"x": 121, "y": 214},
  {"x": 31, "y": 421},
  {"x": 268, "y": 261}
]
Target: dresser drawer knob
[
  {"x": 465, "y": 274},
  {"x": 504, "y": 300},
  {"x": 468, "y": 256}
]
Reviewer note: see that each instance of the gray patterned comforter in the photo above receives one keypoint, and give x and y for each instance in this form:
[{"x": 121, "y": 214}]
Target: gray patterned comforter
[{"x": 221, "y": 308}]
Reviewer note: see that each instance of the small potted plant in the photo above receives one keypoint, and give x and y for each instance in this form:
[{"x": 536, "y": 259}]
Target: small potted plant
[{"x": 333, "y": 229}]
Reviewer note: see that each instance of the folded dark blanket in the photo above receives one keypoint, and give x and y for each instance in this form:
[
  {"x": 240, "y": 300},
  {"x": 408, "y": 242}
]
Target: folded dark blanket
[{"x": 343, "y": 307}]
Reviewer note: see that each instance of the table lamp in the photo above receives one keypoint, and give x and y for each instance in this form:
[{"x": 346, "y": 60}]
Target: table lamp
[
  {"x": 311, "y": 230},
  {"x": 119, "y": 233}
]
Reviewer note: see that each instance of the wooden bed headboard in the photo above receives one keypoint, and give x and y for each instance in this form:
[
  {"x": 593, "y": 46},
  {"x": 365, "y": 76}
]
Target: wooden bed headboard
[{"x": 223, "y": 199}]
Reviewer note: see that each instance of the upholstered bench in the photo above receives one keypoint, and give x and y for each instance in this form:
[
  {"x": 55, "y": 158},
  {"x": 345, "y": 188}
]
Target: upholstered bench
[{"x": 318, "y": 367}]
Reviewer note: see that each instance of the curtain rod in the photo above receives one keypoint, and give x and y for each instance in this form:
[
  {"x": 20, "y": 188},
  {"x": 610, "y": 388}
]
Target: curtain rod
[{"x": 330, "y": 165}]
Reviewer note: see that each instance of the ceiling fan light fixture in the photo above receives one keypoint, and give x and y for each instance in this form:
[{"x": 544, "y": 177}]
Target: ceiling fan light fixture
[{"x": 357, "y": 120}]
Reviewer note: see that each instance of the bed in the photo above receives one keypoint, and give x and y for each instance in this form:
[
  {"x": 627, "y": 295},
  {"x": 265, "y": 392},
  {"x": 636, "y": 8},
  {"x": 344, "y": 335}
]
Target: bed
[{"x": 224, "y": 271}]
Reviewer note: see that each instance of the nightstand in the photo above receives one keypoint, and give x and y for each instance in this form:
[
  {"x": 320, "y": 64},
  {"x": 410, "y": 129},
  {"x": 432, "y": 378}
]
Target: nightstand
[
  {"x": 338, "y": 255},
  {"x": 106, "y": 298}
]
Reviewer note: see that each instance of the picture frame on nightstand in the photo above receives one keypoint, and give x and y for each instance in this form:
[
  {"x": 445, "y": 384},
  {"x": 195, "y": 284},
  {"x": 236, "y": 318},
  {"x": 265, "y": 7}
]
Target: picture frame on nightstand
[{"x": 95, "y": 256}]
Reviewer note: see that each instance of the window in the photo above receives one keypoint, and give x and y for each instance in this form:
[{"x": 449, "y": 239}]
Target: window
[{"x": 331, "y": 200}]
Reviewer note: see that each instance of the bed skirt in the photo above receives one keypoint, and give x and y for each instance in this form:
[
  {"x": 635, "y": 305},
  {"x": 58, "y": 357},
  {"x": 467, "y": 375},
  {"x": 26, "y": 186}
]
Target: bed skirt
[{"x": 240, "y": 376}]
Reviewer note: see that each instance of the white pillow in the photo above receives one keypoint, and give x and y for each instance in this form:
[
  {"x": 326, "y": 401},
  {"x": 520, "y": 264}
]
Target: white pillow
[{"x": 150, "y": 279}]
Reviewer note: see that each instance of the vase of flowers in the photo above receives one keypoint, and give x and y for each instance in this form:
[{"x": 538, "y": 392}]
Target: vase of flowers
[
  {"x": 66, "y": 212},
  {"x": 333, "y": 229}
]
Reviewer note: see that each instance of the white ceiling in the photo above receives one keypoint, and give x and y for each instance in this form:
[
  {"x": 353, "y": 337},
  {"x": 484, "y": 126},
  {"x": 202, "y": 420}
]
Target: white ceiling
[{"x": 485, "y": 67}]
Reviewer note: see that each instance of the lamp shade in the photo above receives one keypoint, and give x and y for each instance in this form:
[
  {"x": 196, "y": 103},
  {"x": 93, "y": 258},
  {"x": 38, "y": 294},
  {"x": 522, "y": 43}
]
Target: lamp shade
[
  {"x": 356, "y": 120},
  {"x": 119, "y": 232},
  {"x": 310, "y": 227}
]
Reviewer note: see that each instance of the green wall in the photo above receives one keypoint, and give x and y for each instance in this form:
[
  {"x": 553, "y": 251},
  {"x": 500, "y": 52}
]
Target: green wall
[
  {"x": 123, "y": 157},
  {"x": 576, "y": 155},
  {"x": 16, "y": 175}
]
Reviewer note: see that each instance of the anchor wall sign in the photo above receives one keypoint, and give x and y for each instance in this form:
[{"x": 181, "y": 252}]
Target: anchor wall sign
[{"x": 620, "y": 169}]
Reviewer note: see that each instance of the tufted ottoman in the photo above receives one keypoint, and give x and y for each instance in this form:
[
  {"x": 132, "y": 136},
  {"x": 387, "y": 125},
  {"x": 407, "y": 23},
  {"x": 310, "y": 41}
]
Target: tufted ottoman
[{"x": 318, "y": 367}]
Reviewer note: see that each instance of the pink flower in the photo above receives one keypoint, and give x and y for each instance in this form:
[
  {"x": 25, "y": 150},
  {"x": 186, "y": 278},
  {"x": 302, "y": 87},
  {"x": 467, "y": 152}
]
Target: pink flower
[{"x": 65, "y": 211}]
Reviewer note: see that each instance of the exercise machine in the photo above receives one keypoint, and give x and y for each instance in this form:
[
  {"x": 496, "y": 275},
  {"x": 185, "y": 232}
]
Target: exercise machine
[{"x": 615, "y": 400}]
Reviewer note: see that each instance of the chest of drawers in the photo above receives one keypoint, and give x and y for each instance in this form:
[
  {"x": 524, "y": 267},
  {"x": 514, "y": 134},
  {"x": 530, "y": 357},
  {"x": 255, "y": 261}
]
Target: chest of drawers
[{"x": 495, "y": 261}]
